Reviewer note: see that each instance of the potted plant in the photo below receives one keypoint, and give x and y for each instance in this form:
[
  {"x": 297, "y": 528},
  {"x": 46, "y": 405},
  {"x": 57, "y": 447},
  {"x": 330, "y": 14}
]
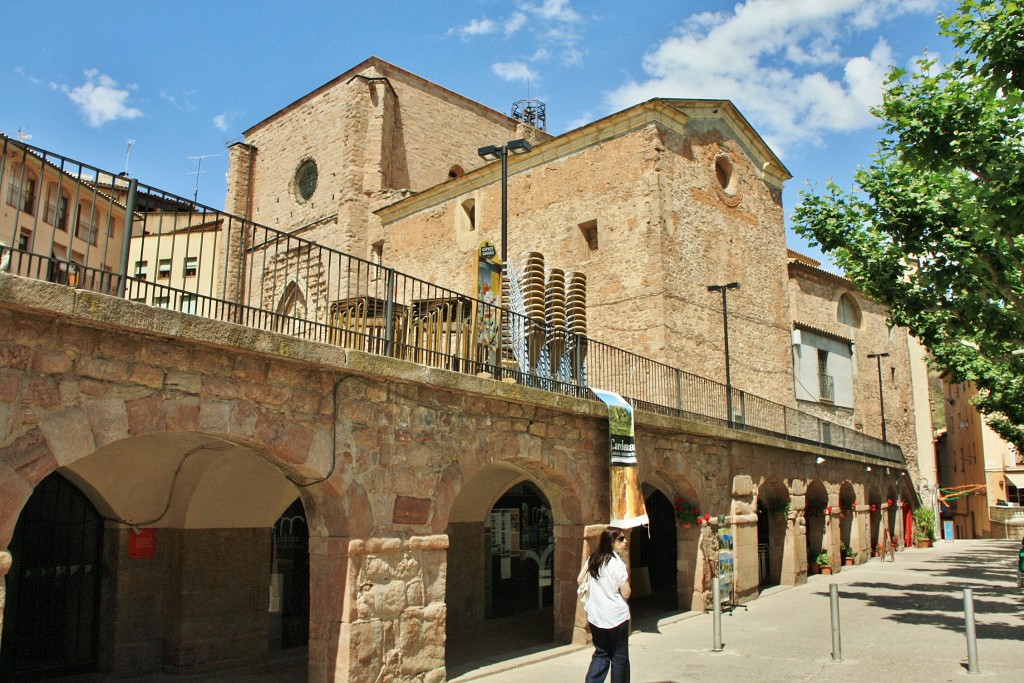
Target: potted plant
[
  {"x": 847, "y": 553},
  {"x": 824, "y": 562},
  {"x": 687, "y": 514},
  {"x": 924, "y": 526}
]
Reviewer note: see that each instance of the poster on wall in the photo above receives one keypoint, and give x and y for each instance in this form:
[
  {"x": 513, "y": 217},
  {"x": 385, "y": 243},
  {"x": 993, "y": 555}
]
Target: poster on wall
[
  {"x": 627, "y": 501},
  {"x": 488, "y": 290}
]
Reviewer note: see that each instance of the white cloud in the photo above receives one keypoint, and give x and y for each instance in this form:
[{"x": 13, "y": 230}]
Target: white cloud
[
  {"x": 221, "y": 121},
  {"x": 513, "y": 71},
  {"x": 515, "y": 22},
  {"x": 100, "y": 99},
  {"x": 477, "y": 27},
  {"x": 783, "y": 62}
]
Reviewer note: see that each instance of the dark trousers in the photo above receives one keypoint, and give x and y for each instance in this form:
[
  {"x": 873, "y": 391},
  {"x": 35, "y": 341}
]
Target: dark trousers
[{"x": 611, "y": 649}]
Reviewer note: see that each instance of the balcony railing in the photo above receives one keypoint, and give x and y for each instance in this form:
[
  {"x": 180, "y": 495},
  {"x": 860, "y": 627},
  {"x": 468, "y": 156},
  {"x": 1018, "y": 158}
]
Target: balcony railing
[{"x": 271, "y": 280}]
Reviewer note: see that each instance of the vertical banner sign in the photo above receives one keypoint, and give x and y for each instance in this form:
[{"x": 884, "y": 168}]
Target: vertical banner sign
[
  {"x": 488, "y": 290},
  {"x": 627, "y": 502}
]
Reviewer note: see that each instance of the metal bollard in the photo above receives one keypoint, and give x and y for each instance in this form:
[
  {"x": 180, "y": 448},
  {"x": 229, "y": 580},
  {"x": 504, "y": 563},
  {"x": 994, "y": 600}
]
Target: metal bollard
[
  {"x": 837, "y": 645},
  {"x": 716, "y": 616},
  {"x": 972, "y": 640}
]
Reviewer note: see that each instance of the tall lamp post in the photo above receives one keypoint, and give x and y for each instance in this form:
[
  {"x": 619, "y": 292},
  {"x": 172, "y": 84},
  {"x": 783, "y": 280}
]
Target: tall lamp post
[
  {"x": 493, "y": 153},
  {"x": 724, "y": 289},
  {"x": 881, "y": 399}
]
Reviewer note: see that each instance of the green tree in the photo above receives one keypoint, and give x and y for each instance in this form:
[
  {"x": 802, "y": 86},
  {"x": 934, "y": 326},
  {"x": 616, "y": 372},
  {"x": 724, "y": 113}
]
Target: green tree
[{"x": 934, "y": 227}]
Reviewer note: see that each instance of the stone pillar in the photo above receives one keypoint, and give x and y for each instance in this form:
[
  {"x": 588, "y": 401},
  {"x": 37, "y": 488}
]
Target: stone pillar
[
  {"x": 687, "y": 545},
  {"x": 5, "y": 566},
  {"x": 377, "y": 609},
  {"x": 591, "y": 539},
  {"x": 569, "y": 554}
]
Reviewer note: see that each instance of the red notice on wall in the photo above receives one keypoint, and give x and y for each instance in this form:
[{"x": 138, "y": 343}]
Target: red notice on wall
[{"x": 141, "y": 543}]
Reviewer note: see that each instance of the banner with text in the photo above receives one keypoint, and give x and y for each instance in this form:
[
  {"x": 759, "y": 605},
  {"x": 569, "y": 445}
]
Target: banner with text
[{"x": 627, "y": 502}]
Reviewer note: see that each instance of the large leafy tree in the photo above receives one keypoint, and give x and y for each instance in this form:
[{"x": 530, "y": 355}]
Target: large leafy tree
[{"x": 934, "y": 227}]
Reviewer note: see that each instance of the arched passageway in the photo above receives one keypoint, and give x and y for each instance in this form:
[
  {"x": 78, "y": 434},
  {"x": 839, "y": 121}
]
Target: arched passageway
[
  {"x": 876, "y": 531},
  {"x": 500, "y": 581},
  {"x": 773, "y": 502},
  {"x": 847, "y": 515},
  {"x": 653, "y": 558},
  {"x": 815, "y": 516},
  {"x": 203, "y": 558}
]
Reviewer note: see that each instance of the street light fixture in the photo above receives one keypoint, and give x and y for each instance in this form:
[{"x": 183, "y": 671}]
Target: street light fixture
[
  {"x": 881, "y": 399},
  {"x": 724, "y": 289},
  {"x": 493, "y": 153}
]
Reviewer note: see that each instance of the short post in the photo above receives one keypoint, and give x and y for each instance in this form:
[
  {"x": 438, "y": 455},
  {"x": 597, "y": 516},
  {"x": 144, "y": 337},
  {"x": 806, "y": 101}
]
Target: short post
[
  {"x": 837, "y": 645},
  {"x": 716, "y": 616},
  {"x": 972, "y": 640}
]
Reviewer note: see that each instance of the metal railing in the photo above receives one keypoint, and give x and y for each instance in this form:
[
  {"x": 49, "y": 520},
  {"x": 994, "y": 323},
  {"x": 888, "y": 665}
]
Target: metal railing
[{"x": 227, "y": 268}]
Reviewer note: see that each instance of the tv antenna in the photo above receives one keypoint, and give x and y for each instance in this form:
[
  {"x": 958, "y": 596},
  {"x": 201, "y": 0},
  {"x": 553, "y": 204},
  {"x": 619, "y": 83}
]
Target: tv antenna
[
  {"x": 199, "y": 169},
  {"x": 129, "y": 143}
]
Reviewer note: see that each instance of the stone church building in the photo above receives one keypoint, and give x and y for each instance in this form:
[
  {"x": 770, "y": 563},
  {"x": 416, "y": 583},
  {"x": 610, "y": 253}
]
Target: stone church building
[{"x": 243, "y": 492}]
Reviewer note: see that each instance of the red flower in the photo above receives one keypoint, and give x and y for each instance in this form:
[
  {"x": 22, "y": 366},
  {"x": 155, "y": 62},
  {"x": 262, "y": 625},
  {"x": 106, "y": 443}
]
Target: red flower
[
  {"x": 891, "y": 502},
  {"x": 874, "y": 508},
  {"x": 829, "y": 509}
]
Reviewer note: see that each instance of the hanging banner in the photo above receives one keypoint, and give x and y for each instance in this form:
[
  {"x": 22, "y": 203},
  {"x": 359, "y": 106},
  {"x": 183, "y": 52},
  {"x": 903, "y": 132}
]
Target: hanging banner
[
  {"x": 488, "y": 290},
  {"x": 627, "y": 502}
]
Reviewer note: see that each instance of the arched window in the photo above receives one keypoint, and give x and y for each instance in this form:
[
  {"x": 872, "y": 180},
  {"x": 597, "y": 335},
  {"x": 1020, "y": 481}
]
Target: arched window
[
  {"x": 848, "y": 312},
  {"x": 466, "y": 219}
]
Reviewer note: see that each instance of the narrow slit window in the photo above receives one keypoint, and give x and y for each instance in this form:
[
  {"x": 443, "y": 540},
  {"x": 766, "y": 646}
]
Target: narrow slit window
[{"x": 589, "y": 241}]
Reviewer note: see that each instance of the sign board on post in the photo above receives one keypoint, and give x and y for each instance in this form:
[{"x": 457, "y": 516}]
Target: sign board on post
[
  {"x": 488, "y": 290},
  {"x": 726, "y": 565},
  {"x": 947, "y": 529}
]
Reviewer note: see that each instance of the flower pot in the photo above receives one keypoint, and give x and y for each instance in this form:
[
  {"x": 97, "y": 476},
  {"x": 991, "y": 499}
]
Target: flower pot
[
  {"x": 848, "y": 561},
  {"x": 686, "y": 525},
  {"x": 924, "y": 543},
  {"x": 826, "y": 569}
]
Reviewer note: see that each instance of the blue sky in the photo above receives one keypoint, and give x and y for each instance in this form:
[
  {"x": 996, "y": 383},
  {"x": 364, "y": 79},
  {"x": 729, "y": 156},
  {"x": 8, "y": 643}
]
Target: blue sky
[{"x": 183, "y": 79}]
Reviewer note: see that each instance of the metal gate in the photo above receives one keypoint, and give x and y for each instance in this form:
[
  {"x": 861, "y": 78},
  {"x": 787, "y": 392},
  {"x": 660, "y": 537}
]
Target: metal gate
[{"x": 53, "y": 588}]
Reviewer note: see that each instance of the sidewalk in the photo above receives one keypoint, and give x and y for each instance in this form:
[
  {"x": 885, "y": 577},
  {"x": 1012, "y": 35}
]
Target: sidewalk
[{"x": 901, "y": 621}]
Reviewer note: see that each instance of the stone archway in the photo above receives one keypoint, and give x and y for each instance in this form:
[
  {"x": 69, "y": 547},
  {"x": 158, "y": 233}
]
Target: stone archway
[
  {"x": 847, "y": 518},
  {"x": 816, "y": 521},
  {"x": 189, "y": 521},
  {"x": 876, "y": 530},
  {"x": 775, "y": 551},
  {"x": 496, "y": 493},
  {"x": 654, "y": 557}
]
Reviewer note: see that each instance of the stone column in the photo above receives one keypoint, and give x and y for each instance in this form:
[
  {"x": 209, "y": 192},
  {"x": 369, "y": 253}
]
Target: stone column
[
  {"x": 687, "y": 546},
  {"x": 5, "y": 566},
  {"x": 377, "y": 609},
  {"x": 569, "y": 554},
  {"x": 591, "y": 539}
]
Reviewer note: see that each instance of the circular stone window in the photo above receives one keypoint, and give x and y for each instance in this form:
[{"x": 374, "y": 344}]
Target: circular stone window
[
  {"x": 728, "y": 185},
  {"x": 725, "y": 175},
  {"x": 305, "y": 179}
]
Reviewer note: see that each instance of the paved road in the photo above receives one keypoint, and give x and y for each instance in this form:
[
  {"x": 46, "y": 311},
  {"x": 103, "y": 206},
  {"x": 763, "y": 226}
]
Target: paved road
[{"x": 901, "y": 621}]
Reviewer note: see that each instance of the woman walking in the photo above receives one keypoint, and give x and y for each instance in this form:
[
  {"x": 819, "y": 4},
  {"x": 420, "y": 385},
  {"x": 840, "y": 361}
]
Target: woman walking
[{"x": 607, "y": 610}]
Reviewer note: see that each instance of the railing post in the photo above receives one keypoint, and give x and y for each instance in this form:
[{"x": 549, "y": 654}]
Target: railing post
[
  {"x": 389, "y": 309},
  {"x": 679, "y": 392},
  {"x": 129, "y": 226}
]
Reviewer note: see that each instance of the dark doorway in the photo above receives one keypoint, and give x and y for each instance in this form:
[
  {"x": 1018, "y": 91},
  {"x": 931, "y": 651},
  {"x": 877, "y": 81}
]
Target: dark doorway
[
  {"x": 652, "y": 558},
  {"x": 51, "y": 615},
  {"x": 289, "y": 574},
  {"x": 764, "y": 574},
  {"x": 520, "y": 546}
]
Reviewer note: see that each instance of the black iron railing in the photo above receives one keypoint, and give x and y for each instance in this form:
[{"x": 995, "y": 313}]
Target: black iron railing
[{"x": 162, "y": 250}]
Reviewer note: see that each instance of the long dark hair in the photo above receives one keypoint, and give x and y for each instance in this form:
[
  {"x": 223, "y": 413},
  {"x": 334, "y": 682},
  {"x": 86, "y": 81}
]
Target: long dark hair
[{"x": 600, "y": 557}]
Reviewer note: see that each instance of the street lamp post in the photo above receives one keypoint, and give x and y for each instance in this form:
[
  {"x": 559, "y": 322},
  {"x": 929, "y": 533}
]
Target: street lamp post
[
  {"x": 881, "y": 399},
  {"x": 724, "y": 289},
  {"x": 493, "y": 153}
]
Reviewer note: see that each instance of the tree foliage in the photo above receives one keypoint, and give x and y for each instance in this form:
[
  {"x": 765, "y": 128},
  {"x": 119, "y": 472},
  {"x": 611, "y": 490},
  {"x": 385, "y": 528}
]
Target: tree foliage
[{"x": 934, "y": 227}]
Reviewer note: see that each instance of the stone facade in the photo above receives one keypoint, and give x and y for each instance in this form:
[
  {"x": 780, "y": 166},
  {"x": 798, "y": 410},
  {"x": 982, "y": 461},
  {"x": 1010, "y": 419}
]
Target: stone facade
[{"x": 396, "y": 465}]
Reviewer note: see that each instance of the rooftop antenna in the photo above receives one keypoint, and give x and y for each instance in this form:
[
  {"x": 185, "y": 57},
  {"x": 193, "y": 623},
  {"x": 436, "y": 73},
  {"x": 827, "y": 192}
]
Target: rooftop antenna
[
  {"x": 127, "y": 153},
  {"x": 199, "y": 169}
]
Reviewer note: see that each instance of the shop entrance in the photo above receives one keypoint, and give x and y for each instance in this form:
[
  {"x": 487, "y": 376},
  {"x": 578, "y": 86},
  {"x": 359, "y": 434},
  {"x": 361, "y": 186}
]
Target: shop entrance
[
  {"x": 653, "y": 558},
  {"x": 53, "y": 589},
  {"x": 519, "y": 547}
]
